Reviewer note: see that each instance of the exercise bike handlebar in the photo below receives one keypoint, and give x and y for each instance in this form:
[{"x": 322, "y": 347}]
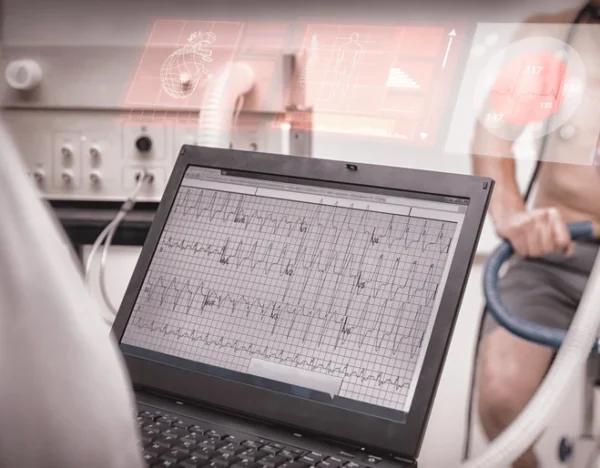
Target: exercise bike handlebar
[{"x": 530, "y": 331}]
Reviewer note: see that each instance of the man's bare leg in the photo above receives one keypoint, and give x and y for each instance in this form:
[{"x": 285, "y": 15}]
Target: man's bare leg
[{"x": 510, "y": 372}]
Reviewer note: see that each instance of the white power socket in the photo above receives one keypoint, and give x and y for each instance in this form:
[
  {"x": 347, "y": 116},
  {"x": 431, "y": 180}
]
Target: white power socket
[
  {"x": 79, "y": 155},
  {"x": 153, "y": 188}
]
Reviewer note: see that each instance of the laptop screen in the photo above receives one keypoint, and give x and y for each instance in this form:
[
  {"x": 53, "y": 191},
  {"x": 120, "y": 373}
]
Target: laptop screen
[{"x": 327, "y": 292}]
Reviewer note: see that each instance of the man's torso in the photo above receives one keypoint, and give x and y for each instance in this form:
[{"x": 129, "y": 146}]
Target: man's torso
[{"x": 573, "y": 185}]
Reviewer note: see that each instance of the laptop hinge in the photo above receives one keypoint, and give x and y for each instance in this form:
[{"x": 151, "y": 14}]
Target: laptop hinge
[{"x": 406, "y": 462}]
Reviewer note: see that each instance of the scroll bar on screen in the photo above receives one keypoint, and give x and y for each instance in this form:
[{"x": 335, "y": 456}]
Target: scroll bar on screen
[{"x": 295, "y": 376}]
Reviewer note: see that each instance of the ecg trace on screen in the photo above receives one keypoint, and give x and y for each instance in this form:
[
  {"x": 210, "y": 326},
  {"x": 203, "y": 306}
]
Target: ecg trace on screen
[
  {"x": 530, "y": 88},
  {"x": 329, "y": 289},
  {"x": 515, "y": 91}
]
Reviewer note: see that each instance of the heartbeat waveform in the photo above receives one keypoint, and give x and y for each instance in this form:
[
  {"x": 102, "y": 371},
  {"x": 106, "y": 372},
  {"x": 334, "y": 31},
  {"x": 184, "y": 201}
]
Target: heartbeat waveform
[
  {"x": 320, "y": 318},
  {"x": 284, "y": 261},
  {"x": 515, "y": 92},
  {"x": 295, "y": 360},
  {"x": 339, "y": 280},
  {"x": 307, "y": 259},
  {"x": 232, "y": 210}
]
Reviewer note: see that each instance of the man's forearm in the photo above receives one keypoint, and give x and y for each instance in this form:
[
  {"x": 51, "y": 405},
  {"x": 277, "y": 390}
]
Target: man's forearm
[
  {"x": 507, "y": 198},
  {"x": 505, "y": 201}
]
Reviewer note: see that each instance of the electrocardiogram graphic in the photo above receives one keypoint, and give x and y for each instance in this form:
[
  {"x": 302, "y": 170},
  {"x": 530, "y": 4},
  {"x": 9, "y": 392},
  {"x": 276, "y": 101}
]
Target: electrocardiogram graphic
[
  {"x": 320, "y": 287},
  {"x": 523, "y": 83},
  {"x": 379, "y": 81},
  {"x": 535, "y": 81},
  {"x": 530, "y": 88}
]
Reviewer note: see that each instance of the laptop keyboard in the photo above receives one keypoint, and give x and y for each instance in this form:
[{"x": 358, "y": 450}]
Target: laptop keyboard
[{"x": 171, "y": 441}]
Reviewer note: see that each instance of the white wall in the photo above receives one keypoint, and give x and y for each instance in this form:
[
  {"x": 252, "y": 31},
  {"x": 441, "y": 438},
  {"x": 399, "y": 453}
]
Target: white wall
[{"x": 117, "y": 23}]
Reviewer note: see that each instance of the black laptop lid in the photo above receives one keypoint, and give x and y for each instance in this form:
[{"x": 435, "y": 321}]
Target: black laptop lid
[{"x": 313, "y": 293}]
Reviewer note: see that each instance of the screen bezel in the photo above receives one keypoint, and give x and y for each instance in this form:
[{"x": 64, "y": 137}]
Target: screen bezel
[{"x": 396, "y": 438}]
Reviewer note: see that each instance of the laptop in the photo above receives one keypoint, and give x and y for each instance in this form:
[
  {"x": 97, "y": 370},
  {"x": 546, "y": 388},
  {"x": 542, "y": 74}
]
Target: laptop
[{"x": 289, "y": 312}]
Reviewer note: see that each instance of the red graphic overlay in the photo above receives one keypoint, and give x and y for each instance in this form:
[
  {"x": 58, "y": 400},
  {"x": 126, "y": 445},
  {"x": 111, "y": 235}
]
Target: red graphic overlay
[
  {"x": 181, "y": 57},
  {"x": 262, "y": 47},
  {"x": 178, "y": 60},
  {"x": 529, "y": 88},
  {"x": 379, "y": 80}
]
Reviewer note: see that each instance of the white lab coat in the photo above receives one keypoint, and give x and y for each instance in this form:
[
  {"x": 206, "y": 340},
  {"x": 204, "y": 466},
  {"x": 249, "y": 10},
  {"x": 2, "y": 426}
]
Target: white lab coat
[{"x": 65, "y": 398}]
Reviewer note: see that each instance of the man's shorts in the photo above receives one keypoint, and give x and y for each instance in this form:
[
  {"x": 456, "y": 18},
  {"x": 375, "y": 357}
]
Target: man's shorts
[{"x": 546, "y": 290}]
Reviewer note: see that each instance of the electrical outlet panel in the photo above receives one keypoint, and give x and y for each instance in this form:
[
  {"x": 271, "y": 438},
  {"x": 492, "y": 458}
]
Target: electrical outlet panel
[
  {"x": 96, "y": 156},
  {"x": 74, "y": 115},
  {"x": 66, "y": 162}
]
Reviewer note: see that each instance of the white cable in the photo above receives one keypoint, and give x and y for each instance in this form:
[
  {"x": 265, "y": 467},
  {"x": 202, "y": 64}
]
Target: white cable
[
  {"x": 109, "y": 228},
  {"x": 102, "y": 273},
  {"x": 96, "y": 246},
  {"x": 106, "y": 237},
  {"x": 126, "y": 206},
  {"x": 220, "y": 98},
  {"x": 545, "y": 404}
]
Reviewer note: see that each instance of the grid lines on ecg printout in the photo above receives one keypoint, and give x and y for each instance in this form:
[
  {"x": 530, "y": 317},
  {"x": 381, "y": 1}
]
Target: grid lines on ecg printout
[{"x": 334, "y": 290}]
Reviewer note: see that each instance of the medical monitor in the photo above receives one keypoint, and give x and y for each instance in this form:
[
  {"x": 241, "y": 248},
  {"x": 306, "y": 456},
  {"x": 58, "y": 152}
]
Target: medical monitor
[{"x": 327, "y": 287}]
